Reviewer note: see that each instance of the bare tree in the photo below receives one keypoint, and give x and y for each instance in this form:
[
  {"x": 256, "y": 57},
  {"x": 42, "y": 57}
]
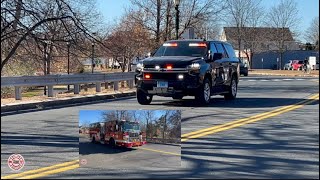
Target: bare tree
[
  {"x": 116, "y": 115},
  {"x": 127, "y": 40},
  {"x": 238, "y": 14},
  {"x": 149, "y": 117},
  {"x": 283, "y": 15},
  {"x": 28, "y": 26},
  {"x": 157, "y": 16},
  {"x": 312, "y": 33}
]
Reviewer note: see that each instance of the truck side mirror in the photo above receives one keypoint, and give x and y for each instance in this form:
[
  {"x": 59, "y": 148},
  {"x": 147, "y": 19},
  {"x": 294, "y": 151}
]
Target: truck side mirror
[{"x": 217, "y": 56}]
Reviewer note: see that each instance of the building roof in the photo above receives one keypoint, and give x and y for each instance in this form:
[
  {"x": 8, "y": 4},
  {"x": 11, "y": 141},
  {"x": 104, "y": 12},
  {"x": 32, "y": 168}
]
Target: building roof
[{"x": 259, "y": 33}]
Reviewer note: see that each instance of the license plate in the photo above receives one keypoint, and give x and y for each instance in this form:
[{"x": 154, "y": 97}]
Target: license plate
[{"x": 162, "y": 84}]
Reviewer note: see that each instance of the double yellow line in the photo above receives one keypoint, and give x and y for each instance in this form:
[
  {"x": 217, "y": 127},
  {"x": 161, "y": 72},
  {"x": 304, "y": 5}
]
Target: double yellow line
[
  {"x": 158, "y": 151},
  {"x": 243, "y": 121},
  {"x": 45, "y": 171}
]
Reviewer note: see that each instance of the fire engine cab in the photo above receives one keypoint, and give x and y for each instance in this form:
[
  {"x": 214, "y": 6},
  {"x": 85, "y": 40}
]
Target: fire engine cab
[{"x": 117, "y": 133}]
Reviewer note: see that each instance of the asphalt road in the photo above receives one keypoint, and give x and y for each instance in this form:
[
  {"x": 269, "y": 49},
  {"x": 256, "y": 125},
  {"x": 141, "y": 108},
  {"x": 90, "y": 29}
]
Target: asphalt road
[
  {"x": 149, "y": 155},
  {"x": 226, "y": 139}
]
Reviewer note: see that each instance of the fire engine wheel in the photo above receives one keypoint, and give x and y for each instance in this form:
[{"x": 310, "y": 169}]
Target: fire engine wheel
[
  {"x": 112, "y": 143},
  {"x": 93, "y": 140}
]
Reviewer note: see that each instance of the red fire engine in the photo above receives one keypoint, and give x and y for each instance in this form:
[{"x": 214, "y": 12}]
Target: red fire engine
[{"x": 117, "y": 133}]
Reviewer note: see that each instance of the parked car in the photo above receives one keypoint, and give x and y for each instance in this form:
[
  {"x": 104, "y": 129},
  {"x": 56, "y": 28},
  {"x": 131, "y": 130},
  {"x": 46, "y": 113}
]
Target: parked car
[
  {"x": 243, "y": 68},
  {"x": 288, "y": 65},
  {"x": 189, "y": 68},
  {"x": 297, "y": 65}
]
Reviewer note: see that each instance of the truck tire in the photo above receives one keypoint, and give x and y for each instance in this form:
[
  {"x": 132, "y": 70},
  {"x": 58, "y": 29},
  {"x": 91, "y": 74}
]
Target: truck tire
[
  {"x": 203, "y": 95},
  {"x": 112, "y": 143},
  {"x": 179, "y": 97},
  {"x": 93, "y": 140},
  {"x": 233, "y": 88},
  {"x": 142, "y": 98}
]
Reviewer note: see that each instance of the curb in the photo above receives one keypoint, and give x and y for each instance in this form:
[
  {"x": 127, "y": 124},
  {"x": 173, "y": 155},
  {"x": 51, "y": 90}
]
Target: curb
[
  {"x": 292, "y": 75},
  {"x": 60, "y": 102}
]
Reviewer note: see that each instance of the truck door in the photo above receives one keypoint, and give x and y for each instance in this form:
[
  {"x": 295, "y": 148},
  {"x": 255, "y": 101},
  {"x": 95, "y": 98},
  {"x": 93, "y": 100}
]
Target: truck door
[{"x": 222, "y": 64}]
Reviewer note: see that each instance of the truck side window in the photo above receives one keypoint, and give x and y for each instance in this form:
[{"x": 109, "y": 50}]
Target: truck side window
[
  {"x": 213, "y": 48},
  {"x": 230, "y": 50},
  {"x": 221, "y": 50}
]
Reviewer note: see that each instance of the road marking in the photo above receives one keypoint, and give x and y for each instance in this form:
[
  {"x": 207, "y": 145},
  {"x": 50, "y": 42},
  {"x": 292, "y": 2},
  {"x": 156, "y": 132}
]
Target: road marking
[
  {"x": 55, "y": 171},
  {"x": 154, "y": 150},
  {"x": 45, "y": 170},
  {"x": 252, "y": 80},
  {"x": 243, "y": 121}
]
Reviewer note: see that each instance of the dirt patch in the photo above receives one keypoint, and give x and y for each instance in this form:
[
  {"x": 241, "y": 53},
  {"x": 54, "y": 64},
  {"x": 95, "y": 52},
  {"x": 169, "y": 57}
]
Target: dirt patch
[{"x": 314, "y": 73}]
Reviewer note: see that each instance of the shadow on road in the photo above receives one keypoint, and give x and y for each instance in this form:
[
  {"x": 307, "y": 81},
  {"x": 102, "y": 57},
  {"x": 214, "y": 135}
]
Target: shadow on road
[
  {"x": 86, "y": 148},
  {"x": 237, "y": 103},
  {"x": 62, "y": 105},
  {"x": 265, "y": 152},
  {"x": 12, "y": 138}
]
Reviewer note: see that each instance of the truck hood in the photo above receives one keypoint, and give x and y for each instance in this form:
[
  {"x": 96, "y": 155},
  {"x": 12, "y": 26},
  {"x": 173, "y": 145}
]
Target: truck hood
[{"x": 176, "y": 61}]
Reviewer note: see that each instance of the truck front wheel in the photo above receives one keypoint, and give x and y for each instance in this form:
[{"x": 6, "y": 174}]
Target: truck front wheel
[
  {"x": 203, "y": 95},
  {"x": 143, "y": 98}
]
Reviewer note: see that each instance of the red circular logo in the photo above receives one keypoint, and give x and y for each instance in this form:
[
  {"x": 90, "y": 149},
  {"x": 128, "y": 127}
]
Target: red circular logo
[
  {"x": 16, "y": 162},
  {"x": 83, "y": 162}
]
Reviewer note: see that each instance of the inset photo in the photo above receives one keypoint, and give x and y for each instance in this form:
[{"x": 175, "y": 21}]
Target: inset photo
[{"x": 112, "y": 139}]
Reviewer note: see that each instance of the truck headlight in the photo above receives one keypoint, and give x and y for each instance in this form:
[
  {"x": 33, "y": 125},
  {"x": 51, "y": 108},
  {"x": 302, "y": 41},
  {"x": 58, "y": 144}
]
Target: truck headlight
[
  {"x": 194, "y": 66},
  {"x": 139, "y": 66}
]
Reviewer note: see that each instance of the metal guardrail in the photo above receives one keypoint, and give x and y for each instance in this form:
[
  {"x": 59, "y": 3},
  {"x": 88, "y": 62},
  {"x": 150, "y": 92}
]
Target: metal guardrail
[{"x": 74, "y": 79}]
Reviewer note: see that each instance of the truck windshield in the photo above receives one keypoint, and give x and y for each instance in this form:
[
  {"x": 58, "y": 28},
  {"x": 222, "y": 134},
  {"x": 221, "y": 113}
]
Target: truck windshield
[
  {"x": 131, "y": 126},
  {"x": 195, "y": 49}
]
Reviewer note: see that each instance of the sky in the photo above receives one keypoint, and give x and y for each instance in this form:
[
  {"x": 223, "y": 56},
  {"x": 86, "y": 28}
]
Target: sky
[
  {"x": 308, "y": 9},
  {"x": 91, "y": 116}
]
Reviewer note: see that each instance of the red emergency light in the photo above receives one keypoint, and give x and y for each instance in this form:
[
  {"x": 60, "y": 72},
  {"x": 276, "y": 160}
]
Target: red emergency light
[
  {"x": 169, "y": 66},
  {"x": 147, "y": 76},
  {"x": 171, "y": 44}
]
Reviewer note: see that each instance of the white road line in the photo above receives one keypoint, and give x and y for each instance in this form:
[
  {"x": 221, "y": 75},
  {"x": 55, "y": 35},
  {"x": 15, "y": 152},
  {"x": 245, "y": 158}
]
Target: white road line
[
  {"x": 276, "y": 80},
  {"x": 264, "y": 80},
  {"x": 252, "y": 80},
  {"x": 288, "y": 79}
]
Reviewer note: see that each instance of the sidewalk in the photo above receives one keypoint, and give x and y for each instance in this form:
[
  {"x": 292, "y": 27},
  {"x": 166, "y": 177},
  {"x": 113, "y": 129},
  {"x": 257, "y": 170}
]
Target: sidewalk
[{"x": 267, "y": 72}]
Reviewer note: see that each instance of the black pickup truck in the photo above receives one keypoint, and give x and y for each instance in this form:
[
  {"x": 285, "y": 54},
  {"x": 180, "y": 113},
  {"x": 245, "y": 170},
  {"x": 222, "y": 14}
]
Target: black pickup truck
[{"x": 189, "y": 68}]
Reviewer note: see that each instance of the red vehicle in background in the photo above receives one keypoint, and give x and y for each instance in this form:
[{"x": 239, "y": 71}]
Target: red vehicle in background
[
  {"x": 297, "y": 64},
  {"x": 117, "y": 133}
]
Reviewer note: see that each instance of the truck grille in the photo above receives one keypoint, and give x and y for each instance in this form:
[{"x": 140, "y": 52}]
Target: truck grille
[
  {"x": 133, "y": 134},
  {"x": 165, "y": 76}
]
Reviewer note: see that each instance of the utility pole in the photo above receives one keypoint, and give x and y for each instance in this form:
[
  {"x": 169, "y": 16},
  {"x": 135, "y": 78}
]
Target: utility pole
[
  {"x": 177, "y": 2},
  {"x": 45, "y": 65},
  {"x": 68, "y": 45}
]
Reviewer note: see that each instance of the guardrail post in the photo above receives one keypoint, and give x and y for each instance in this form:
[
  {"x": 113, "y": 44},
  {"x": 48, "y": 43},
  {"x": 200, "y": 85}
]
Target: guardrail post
[
  {"x": 76, "y": 88},
  {"x": 98, "y": 86},
  {"x": 50, "y": 91},
  {"x": 116, "y": 85},
  {"x": 17, "y": 90},
  {"x": 131, "y": 84},
  {"x": 122, "y": 84}
]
